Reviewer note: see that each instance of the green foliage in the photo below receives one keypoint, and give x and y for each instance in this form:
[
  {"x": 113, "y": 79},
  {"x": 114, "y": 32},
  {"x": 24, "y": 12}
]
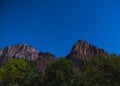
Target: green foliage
[
  {"x": 101, "y": 71},
  {"x": 78, "y": 80},
  {"x": 17, "y": 72},
  {"x": 38, "y": 81},
  {"x": 97, "y": 71},
  {"x": 60, "y": 73}
]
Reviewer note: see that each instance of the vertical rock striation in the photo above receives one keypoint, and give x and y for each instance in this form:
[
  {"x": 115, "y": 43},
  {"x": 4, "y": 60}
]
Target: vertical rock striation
[
  {"x": 26, "y": 52},
  {"x": 83, "y": 50}
]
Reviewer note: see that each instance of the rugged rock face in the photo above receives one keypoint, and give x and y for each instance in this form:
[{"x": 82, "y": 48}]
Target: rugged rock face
[
  {"x": 1, "y": 52},
  {"x": 26, "y": 52},
  {"x": 44, "y": 60},
  {"x": 80, "y": 51},
  {"x": 83, "y": 50},
  {"x": 20, "y": 51}
]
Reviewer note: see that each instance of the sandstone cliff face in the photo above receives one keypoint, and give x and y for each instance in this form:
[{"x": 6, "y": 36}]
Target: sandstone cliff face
[
  {"x": 20, "y": 51},
  {"x": 1, "y": 52},
  {"x": 44, "y": 60},
  {"x": 83, "y": 50},
  {"x": 26, "y": 52},
  {"x": 80, "y": 51}
]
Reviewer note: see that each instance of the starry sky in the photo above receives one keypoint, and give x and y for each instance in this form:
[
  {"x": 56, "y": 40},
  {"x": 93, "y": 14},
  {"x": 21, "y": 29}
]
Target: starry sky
[{"x": 56, "y": 25}]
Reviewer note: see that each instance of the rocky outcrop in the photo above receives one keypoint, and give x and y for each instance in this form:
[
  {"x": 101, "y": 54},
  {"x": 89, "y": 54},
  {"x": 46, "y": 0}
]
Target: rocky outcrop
[
  {"x": 80, "y": 51},
  {"x": 20, "y": 51},
  {"x": 44, "y": 60},
  {"x": 83, "y": 50},
  {"x": 1, "y": 52},
  {"x": 26, "y": 52}
]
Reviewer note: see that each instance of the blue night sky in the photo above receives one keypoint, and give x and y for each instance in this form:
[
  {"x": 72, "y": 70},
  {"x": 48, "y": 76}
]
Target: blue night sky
[{"x": 55, "y": 25}]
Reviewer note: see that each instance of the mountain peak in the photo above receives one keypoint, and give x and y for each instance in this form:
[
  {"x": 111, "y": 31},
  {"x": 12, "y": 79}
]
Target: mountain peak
[
  {"x": 20, "y": 51},
  {"x": 27, "y": 52},
  {"x": 23, "y": 46},
  {"x": 83, "y": 50},
  {"x": 80, "y": 51}
]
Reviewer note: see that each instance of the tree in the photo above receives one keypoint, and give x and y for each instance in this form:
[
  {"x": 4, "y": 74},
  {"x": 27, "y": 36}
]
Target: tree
[
  {"x": 17, "y": 72},
  {"x": 60, "y": 73},
  {"x": 101, "y": 71},
  {"x": 38, "y": 81}
]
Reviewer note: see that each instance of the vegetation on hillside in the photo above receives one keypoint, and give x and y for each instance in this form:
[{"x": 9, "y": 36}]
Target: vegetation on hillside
[{"x": 97, "y": 71}]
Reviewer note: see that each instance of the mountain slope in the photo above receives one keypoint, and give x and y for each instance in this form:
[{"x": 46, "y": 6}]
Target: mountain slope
[
  {"x": 83, "y": 50},
  {"x": 80, "y": 51},
  {"x": 27, "y": 52}
]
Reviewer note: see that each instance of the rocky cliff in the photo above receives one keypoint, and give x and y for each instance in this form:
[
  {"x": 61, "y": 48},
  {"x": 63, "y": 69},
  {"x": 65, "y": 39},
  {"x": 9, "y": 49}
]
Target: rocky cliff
[
  {"x": 20, "y": 51},
  {"x": 44, "y": 60},
  {"x": 27, "y": 52},
  {"x": 80, "y": 51},
  {"x": 83, "y": 50}
]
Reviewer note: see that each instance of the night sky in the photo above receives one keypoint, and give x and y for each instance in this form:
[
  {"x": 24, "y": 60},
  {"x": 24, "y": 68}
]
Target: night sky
[{"x": 55, "y": 25}]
